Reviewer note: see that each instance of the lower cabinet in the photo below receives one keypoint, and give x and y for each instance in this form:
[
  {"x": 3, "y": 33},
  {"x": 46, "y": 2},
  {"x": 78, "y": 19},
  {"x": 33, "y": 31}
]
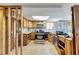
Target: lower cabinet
[
  {"x": 68, "y": 47},
  {"x": 26, "y": 39},
  {"x": 50, "y": 37},
  {"x": 64, "y": 46},
  {"x": 60, "y": 51},
  {"x": 32, "y": 35}
]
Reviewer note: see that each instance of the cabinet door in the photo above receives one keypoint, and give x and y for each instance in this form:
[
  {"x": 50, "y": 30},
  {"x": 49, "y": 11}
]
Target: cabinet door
[
  {"x": 75, "y": 19},
  {"x": 68, "y": 46},
  {"x": 25, "y": 23},
  {"x": 34, "y": 24}
]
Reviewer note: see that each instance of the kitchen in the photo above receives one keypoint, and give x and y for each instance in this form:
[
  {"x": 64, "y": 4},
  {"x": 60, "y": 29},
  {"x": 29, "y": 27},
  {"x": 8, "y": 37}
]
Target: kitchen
[{"x": 47, "y": 27}]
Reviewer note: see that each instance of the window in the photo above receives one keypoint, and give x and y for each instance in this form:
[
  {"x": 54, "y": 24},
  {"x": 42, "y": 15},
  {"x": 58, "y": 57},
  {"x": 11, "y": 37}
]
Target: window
[{"x": 50, "y": 25}]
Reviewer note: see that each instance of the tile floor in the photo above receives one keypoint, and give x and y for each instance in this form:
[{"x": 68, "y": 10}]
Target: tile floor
[{"x": 38, "y": 49}]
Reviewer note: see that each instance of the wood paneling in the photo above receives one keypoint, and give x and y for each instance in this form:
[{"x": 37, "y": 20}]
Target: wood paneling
[{"x": 64, "y": 45}]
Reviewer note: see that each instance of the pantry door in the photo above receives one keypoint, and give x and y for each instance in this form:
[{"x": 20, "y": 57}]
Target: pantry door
[{"x": 75, "y": 23}]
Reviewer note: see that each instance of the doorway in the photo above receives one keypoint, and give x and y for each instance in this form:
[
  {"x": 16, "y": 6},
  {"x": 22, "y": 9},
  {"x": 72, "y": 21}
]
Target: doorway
[{"x": 12, "y": 36}]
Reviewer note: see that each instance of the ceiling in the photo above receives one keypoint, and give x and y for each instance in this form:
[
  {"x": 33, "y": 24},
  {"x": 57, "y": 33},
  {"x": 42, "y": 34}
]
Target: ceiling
[{"x": 54, "y": 10}]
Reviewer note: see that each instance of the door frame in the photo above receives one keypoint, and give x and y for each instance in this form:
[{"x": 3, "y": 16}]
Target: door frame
[
  {"x": 74, "y": 31},
  {"x": 9, "y": 30}
]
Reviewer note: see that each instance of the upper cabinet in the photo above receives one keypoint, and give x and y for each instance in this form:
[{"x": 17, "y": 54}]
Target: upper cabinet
[
  {"x": 29, "y": 24},
  {"x": 34, "y": 24},
  {"x": 25, "y": 23}
]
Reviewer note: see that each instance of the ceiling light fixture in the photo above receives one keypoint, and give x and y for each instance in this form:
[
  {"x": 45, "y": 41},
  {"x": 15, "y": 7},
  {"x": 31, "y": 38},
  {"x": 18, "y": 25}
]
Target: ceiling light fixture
[{"x": 40, "y": 17}]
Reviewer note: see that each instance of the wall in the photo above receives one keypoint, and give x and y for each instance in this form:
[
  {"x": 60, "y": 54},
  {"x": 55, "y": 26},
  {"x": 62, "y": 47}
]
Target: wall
[{"x": 63, "y": 25}]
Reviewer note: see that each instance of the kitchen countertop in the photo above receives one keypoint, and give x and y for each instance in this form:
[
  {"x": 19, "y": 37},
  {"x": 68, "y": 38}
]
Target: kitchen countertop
[{"x": 65, "y": 37}]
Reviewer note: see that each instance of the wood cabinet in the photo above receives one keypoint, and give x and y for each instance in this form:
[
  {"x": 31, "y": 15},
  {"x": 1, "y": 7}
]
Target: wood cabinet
[
  {"x": 33, "y": 35},
  {"x": 28, "y": 23},
  {"x": 31, "y": 24},
  {"x": 25, "y": 22},
  {"x": 60, "y": 51},
  {"x": 50, "y": 37},
  {"x": 61, "y": 45},
  {"x": 68, "y": 46},
  {"x": 26, "y": 39},
  {"x": 64, "y": 45},
  {"x": 34, "y": 24}
]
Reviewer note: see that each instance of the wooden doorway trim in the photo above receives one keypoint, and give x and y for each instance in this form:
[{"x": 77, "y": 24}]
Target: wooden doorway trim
[
  {"x": 12, "y": 31},
  {"x": 73, "y": 31},
  {"x": 75, "y": 21},
  {"x": 1, "y": 30},
  {"x": 6, "y": 31},
  {"x": 21, "y": 31}
]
